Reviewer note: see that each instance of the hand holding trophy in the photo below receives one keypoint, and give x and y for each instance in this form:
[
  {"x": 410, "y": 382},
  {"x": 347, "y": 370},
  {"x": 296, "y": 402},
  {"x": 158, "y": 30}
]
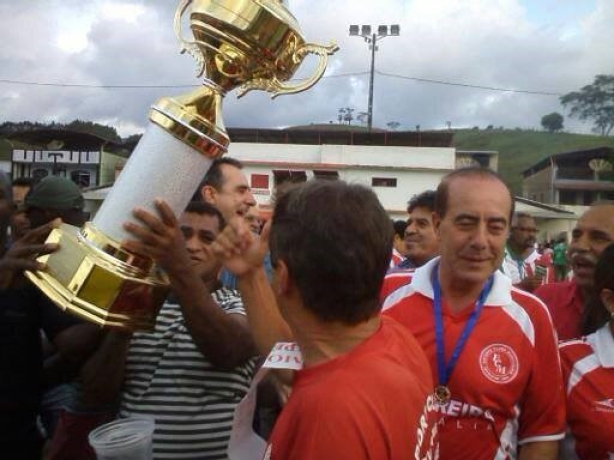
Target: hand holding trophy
[{"x": 238, "y": 44}]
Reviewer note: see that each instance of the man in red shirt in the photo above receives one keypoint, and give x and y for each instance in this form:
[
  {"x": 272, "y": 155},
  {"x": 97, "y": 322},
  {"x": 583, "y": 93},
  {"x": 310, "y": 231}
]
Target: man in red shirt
[
  {"x": 362, "y": 393},
  {"x": 592, "y": 234},
  {"x": 491, "y": 346}
]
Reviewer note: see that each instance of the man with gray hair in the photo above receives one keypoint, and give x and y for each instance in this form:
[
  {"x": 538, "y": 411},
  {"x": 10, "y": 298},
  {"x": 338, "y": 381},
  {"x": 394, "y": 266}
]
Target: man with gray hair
[{"x": 521, "y": 262}]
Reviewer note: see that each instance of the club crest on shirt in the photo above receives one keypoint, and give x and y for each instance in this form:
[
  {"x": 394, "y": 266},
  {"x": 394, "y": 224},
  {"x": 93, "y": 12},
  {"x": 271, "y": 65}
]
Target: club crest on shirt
[{"x": 499, "y": 363}]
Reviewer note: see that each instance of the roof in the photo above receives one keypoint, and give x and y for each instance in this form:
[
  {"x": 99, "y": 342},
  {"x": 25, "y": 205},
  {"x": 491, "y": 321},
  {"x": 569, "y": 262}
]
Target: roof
[
  {"x": 545, "y": 210},
  {"x": 588, "y": 154},
  {"x": 69, "y": 140},
  {"x": 323, "y": 135}
]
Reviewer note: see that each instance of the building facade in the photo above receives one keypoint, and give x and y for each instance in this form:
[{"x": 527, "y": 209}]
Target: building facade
[{"x": 576, "y": 178}]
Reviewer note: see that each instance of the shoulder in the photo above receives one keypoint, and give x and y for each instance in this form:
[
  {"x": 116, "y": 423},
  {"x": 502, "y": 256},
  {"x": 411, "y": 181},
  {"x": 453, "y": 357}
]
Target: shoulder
[
  {"x": 550, "y": 290},
  {"x": 394, "y": 280}
]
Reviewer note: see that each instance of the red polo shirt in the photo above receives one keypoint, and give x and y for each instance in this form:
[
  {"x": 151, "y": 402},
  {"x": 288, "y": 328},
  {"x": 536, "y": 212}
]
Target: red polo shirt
[{"x": 565, "y": 303}]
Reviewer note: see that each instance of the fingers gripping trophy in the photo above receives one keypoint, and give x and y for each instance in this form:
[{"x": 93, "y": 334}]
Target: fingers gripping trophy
[{"x": 238, "y": 44}]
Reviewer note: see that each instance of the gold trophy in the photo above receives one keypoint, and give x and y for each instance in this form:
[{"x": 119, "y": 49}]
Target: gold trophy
[{"x": 244, "y": 44}]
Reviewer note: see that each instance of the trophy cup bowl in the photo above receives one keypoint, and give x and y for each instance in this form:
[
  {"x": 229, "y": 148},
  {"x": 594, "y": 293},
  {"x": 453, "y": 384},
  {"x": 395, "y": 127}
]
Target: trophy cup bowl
[{"x": 238, "y": 44}]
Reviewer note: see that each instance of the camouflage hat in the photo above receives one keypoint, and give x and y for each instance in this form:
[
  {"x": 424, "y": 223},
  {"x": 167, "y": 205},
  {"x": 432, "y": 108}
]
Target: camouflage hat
[{"x": 55, "y": 193}]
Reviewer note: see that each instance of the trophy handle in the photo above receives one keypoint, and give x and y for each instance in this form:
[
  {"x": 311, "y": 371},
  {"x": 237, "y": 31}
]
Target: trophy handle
[
  {"x": 188, "y": 46},
  {"x": 278, "y": 88}
]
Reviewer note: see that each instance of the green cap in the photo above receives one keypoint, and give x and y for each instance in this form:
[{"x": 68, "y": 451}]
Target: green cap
[{"x": 55, "y": 193}]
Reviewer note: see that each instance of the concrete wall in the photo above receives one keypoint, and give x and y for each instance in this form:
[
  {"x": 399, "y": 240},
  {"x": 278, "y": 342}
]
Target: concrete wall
[{"x": 414, "y": 169}]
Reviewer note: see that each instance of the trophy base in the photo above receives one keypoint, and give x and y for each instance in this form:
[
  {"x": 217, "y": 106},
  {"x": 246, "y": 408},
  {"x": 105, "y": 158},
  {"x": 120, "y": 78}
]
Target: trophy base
[{"x": 86, "y": 279}]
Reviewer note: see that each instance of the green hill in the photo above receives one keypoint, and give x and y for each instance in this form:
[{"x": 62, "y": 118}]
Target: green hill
[{"x": 519, "y": 149}]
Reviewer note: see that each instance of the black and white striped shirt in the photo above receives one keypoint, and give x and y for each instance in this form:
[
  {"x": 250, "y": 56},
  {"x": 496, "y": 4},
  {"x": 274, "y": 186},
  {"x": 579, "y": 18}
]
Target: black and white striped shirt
[{"x": 192, "y": 402}]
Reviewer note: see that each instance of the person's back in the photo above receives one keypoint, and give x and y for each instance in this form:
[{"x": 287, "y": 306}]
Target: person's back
[{"x": 371, "y": 397}]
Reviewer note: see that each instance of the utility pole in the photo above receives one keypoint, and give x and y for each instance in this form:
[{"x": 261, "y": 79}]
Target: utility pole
[{"x": 371, "y": 38}]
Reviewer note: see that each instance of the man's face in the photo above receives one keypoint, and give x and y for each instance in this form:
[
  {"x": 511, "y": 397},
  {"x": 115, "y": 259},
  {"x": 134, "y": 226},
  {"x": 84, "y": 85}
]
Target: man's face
[
  {"x": 523, "y": 234},
  {"x": 19, "y": 193},
  {"x": 592, "y": 234},
  {"x": 199, "y": 231},
  {"x": 473, "y": 233},
  {"x": 235, "y": 196},
  {"x": 421, "y": 243}
]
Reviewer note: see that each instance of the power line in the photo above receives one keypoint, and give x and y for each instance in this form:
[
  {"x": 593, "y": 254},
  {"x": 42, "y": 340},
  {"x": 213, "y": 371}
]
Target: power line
[
  {"x": 343, "y": 75},
  {"x": 467, "y": 85},
  {"x": 96, "y": 86}
]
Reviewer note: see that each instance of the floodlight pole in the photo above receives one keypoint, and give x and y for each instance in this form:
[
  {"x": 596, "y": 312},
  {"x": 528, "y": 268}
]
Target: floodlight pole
[
  {"x": 372, "y": 39},
  {"x": 371, "y": 81}
]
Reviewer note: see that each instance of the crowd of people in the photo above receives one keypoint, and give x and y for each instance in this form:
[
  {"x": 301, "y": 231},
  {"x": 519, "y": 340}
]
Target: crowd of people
[{"x": 445, "y": 336}]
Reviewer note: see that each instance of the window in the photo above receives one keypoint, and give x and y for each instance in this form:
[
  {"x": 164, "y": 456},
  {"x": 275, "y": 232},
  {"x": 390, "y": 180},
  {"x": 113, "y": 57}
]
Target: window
[
  {"x": 383, "y": 182},
  {"x": 325, "y": 175},
  {"x": 81, "y": 178},
  {"x": 260, "y": 181},
  {"x": 287, "y": 175}
]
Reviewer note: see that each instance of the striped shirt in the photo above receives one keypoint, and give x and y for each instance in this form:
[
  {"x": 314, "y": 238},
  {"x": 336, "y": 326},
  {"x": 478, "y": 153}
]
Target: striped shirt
[{"x": 192, "y": 402}]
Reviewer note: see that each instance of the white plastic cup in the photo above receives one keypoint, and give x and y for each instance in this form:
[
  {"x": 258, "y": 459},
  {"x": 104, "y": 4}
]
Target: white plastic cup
[{"x": 124, "y": 439}]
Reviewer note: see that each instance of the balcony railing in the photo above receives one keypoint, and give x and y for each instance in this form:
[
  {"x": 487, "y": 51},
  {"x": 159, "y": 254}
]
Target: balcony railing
[{"x": 584, "y": 174}]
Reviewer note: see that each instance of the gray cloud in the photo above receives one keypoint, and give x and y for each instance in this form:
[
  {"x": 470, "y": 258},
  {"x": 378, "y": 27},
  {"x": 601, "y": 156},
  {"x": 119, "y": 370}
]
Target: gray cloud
[{"x": 489, "y": 43}]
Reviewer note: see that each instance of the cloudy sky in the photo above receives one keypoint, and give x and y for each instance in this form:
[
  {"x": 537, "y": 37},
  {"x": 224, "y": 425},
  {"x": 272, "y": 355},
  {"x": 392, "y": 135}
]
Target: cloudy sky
[{"x": 544, "y": 46}]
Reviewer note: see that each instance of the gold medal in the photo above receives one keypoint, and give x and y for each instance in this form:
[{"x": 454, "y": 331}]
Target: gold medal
[{"x": 442, "y": 394}]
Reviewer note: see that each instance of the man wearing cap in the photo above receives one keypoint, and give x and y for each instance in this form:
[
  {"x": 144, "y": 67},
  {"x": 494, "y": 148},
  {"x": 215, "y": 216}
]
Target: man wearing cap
[
  {"x": 24, "y": 312},
  {"x": 55, "y": 197}
]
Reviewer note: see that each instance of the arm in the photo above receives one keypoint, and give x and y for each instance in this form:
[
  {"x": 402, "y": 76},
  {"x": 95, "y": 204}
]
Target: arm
[
  {"x": 102, "y": 376},
  {"x": 544, "y": 450},
  {"x": 224, "y": 339},
  {"x": 243, "y": 254}
]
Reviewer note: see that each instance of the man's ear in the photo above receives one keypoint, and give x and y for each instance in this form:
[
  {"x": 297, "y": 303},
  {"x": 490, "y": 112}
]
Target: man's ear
[
  {"x": 284, "y": 282},
  {"x": 436, "y": 222},
  {"x": 208, "y": 194}
]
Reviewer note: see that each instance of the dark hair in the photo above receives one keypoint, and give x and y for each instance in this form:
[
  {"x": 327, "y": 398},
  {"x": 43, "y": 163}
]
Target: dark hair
[
  {"x": 595, "y": 313},
  {"x": 24, "y": 182},
  {"x": 214, "y": 177},
  {"x": 422, "y": 200},
  {"x": 399, "y": 227},
  {"x": 207, "y": 209},
  {"x": 335, "y": 239},
  {"x": 443, "y": 189}
]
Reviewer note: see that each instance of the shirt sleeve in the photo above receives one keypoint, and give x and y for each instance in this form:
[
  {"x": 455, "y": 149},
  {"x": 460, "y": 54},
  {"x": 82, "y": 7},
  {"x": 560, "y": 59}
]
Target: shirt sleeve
[{"x": 542, "y": 411}]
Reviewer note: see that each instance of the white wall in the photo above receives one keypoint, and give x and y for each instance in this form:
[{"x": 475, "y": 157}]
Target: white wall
[{"x": 415, "y": 169}]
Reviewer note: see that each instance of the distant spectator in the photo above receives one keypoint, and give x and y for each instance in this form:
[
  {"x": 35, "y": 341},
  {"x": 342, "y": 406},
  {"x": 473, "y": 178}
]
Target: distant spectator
[
  {"x": 398, "y": 245},
  {"x": 522, "y": 263},
  {"x": 559, "y": 258}
]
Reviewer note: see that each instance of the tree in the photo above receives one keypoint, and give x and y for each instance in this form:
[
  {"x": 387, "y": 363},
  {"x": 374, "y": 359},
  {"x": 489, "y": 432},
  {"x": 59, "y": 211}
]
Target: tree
[
  {"x": 552, "y": 122},
  {"x": 594, "y": 102},
  {"x": 393, "y": 125}
]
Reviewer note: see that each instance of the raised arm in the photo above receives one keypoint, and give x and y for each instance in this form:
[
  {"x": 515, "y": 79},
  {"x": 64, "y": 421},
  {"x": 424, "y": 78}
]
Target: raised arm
[{"x": 224, "y": 339}]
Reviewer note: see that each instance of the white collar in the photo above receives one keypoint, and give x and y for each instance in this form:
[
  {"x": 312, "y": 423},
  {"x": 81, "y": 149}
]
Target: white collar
[
  {"x": 602, "y": 342},
  {"x": 499, "y": 295}
]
